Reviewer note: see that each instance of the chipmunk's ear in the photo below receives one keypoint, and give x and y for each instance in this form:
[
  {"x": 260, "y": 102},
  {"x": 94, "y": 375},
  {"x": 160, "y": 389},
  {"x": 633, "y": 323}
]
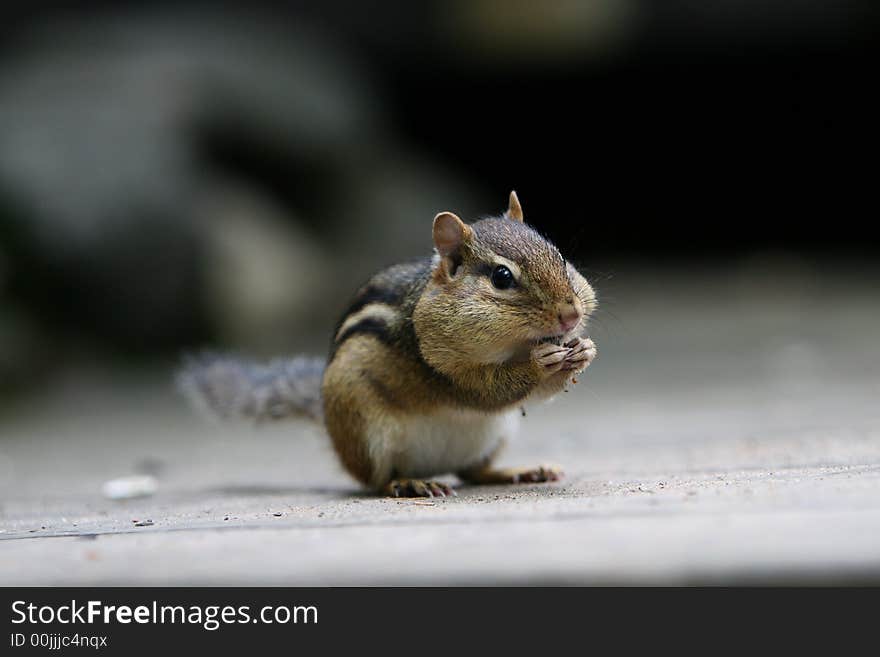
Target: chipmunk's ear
[
  {"x": 450, "y": 233},
  {"x": 514, "y": 209}
]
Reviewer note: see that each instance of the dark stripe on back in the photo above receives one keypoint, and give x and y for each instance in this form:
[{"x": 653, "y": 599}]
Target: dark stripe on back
[
  {"x": 371, "y": 294},
  {"x": 399, "y": 287},
  {"x": 368, "y": 326}
]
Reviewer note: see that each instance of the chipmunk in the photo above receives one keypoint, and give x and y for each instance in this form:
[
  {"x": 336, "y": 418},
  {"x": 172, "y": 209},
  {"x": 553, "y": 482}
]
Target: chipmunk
[{"x": 432, "y": 360}]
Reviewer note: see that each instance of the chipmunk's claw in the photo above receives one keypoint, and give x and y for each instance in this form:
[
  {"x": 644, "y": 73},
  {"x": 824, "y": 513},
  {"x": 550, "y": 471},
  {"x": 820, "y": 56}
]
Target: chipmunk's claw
[
  {"x": 418, "y": 488},
  {"x": 581, "y": 353},
  {"x": 551, "y": 357}
]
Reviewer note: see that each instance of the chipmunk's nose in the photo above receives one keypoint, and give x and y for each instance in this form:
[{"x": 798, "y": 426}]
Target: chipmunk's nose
[{"x": 569, "y": 315}]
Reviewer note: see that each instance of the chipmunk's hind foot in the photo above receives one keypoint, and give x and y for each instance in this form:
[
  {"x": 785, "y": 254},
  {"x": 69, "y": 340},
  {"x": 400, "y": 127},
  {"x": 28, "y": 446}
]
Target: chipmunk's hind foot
[
  {"x": 539, "y": 474},
  {"x": 417, "y": 488}
]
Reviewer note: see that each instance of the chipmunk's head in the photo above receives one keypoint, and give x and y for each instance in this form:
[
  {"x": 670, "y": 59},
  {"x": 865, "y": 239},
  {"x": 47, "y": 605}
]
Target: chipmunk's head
[{"x": 501, "y": 280}]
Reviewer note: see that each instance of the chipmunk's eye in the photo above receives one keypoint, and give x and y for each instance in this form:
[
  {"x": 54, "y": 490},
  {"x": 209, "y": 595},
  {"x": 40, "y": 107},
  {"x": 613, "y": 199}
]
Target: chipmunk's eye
[{"x": 502, "y": 278}]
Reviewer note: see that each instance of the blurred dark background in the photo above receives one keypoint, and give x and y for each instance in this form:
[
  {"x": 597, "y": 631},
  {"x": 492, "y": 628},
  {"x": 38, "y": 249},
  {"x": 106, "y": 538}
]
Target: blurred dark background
[{"x": 178, "y": 175}]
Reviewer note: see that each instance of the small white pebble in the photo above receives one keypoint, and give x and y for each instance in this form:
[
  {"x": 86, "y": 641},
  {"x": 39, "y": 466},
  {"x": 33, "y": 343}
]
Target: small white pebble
[{"x": 128, "y": 487}]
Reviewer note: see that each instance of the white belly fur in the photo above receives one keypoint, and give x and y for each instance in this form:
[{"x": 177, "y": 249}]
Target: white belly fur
[{"x": 445, "y": 441}]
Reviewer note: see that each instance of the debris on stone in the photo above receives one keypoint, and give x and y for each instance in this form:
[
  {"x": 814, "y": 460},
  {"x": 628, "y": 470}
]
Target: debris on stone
[{"x": 125, "y": 488}]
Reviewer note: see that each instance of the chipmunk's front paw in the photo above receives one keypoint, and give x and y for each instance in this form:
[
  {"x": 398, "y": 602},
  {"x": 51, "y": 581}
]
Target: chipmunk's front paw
[
  {"x": 550, "y": 357},
  {"x": 581, "y": 353},
  {"x": 417, "y": 488},
  {"x": 536, "y": 475}
]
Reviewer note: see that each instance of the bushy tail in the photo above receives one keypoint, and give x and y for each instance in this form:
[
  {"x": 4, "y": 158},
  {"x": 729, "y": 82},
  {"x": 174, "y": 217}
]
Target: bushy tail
[{"x": 227, "y": 387}]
